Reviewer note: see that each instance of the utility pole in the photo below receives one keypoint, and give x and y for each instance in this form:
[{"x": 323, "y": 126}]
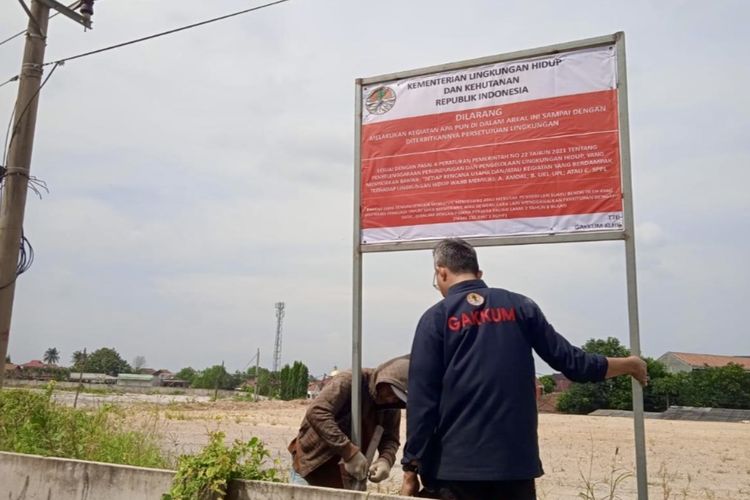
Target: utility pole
[
  {"x": 19, "y": 162},
  {"x": 16, "y": 178},
  {"x": 257, "y": 375},
  {"x": 280, "y": 312}
]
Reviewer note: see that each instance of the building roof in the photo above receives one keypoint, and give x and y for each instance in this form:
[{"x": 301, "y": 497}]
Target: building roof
[
  {"x": 9, "y": 367},
  {"x": 34, "y": 363},
  {"x": 135, "y": 376},
  {"x": 711, "y": 360},
  {"x": 90, "y": 376}
]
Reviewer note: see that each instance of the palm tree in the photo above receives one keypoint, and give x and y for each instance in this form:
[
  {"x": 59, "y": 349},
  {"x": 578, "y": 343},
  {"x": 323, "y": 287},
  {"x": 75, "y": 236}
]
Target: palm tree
[
  {"x": 78, "y": 357},
  {"x": 51, "y": 356}
]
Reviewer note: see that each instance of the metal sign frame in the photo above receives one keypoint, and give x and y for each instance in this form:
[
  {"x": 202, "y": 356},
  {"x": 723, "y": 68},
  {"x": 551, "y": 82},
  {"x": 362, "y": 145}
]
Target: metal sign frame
[{"x": 627, "y": 234}]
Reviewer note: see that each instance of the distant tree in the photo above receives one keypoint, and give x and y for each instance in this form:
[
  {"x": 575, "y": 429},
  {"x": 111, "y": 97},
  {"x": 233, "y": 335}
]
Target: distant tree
[
  {"x": 267, "y": 381},
  {"x": 187, "y": 374},
  {"x": 216, "y": 376},
  {"x": 106, "y": 360},
  {"x": 548, "y": 383},
  {"x": 294, "y": 380},
  {"x": 51, "y": 356},
  {"x": 77, "y": 360},
  {"x": 139, "y": 362},
  {"x": 236, "y": 379},
  {"x": 718, "y": 387},
  {"x": 614, "y": 393},
  {"x": 610, "y": 346}
]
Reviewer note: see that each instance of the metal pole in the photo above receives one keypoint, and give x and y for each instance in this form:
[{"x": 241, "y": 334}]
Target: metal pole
[
  {"x": 257, "y": 373},
  {"x": 630, "y": 268},
  {"x": 13, "y": 202},
  {"x": 357, "y": 280},
  {"x": 635, "y": 349}
]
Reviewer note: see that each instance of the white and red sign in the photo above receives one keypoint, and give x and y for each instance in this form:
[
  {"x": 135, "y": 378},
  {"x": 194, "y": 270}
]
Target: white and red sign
[{"x": 521, "y": 147}]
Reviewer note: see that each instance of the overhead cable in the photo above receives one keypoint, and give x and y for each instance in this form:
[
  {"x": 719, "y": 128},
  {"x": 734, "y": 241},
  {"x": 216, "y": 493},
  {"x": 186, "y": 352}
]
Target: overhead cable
[
  {"x": 9, "y": 80},
  {"x": 9, "y": 141},
  {"x": 164, "y": 33},
  {"x": 23, "y": 32}
]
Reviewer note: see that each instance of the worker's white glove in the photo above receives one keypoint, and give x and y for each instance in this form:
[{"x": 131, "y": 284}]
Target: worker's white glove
[
  {"x": 380, "y": 470},
  {"x": 357, "y": 466}
]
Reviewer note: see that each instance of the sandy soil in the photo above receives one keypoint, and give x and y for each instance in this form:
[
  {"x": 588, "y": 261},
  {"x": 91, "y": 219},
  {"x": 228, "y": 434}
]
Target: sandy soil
[{"x": 686, "y": 460}]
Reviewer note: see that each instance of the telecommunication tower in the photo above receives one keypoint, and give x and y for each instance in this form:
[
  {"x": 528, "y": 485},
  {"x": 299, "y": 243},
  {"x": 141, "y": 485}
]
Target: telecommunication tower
[{"x": 277, "y": 345}]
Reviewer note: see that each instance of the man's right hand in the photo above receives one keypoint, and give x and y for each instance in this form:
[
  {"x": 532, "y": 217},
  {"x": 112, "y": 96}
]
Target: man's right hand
[
  {"x": 631, "y": 365},
  {"x": 639, "y": 370},
  {"x": 409, "y": 485},
  {"x": 356, "y": 466}
]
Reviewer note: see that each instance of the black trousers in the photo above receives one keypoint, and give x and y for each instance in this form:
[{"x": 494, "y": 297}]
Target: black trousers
[{"x": 483, "y": 490}]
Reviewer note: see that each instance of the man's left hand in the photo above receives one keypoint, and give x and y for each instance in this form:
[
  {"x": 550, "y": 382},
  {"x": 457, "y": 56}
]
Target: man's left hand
[{"x": 380, "y": 470}]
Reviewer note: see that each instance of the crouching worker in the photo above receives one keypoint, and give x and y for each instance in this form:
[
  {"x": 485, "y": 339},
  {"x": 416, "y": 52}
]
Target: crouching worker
[{"x": 324, "y": 438}]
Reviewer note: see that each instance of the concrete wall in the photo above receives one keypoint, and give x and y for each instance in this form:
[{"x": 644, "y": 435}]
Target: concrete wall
[{"x": 28, "y": 477}]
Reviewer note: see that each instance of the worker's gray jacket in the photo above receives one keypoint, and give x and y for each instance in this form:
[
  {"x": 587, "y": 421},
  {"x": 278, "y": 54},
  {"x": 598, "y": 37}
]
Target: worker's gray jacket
[{"x": 326, "y": 429}]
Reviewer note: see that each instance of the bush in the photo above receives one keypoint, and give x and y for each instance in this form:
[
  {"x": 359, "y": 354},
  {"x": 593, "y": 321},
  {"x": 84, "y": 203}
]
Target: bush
[
  {"x": 548, "y": 383},
  {"x": 30, "y": 422},
  {"x": 615, "y": 393},
  {"x": 206, "y": 475},
  {"x": 721, "y": 387}
]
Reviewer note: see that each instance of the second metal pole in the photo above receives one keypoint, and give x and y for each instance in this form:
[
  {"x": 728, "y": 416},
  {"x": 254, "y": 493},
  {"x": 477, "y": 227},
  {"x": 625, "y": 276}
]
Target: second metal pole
[{"x": 357, "y": 278}]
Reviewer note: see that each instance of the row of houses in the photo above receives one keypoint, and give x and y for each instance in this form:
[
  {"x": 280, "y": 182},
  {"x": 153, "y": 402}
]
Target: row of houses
[
  {"x": 675, "y": 362},
  {"x": 37, "y": 370},
  {"x": 130, "y": 379}
]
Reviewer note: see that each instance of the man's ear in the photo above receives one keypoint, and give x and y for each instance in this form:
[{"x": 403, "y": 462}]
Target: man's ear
[
  {"x": 480, "y": 274},
  {"x": 442, "y": 273}
]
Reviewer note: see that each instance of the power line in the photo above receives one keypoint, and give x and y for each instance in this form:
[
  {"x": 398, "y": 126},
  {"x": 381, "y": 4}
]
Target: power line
[
  {"x": 12, "y": 37},
  {"x": 73, "y": 6},
  {"x": 163, "y": 33},
  {"x": 8, "y": 142},
  {"x": 9, "y": 80}
]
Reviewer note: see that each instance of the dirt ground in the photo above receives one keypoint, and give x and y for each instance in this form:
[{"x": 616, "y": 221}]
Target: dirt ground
[{"x": 686, "y": 460}]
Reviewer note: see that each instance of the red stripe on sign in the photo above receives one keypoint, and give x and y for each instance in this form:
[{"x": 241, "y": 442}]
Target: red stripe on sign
[{"x": 538, "y": 119}]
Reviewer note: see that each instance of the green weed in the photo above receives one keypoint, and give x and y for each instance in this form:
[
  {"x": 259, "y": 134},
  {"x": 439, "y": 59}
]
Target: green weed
[
  {"x": 31, "y": 422},
  {"x": 206, "y": 475}
]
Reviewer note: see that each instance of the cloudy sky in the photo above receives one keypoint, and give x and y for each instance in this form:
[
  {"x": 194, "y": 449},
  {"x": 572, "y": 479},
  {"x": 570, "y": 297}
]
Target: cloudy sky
[{"x": 197, "y": 179}]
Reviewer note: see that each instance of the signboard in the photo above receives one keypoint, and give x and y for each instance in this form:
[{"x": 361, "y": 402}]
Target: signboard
[
  {"x": 527, "y": 146},
  {"x": 513, "y": 149}
]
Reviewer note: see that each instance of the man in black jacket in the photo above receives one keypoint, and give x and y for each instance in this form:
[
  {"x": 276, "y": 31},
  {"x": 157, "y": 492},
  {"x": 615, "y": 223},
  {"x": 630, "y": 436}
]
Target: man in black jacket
[{"x": 471, "y": 414}]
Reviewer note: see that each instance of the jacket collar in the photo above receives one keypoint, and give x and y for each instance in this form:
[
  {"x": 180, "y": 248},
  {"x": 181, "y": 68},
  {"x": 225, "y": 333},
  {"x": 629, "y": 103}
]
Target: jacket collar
[{"x": 465, "y": 286}]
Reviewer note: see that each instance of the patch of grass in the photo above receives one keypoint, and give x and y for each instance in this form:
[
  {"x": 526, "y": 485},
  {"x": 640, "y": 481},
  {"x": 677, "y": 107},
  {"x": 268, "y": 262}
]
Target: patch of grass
[
  {"x": 174, "y": 416},
  {"x": 89, "y": 390},
  {"x": 31, "y": 422},
  {"x": 610, "y": 484}
]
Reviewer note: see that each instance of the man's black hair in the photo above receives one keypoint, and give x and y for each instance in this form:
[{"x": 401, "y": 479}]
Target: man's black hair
[{"x": 457, "y": 255}]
